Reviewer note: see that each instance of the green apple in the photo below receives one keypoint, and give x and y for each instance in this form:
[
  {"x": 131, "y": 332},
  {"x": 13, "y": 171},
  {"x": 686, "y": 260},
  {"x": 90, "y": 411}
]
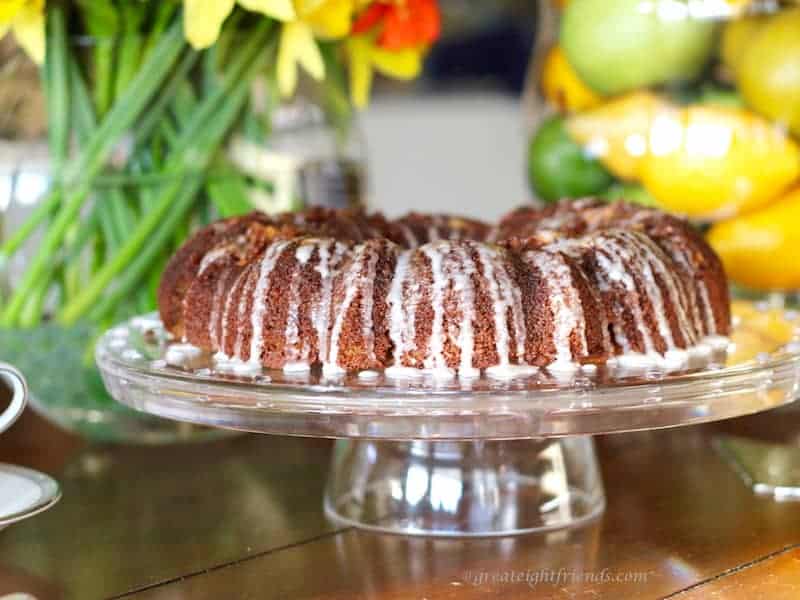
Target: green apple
[
  {"x": 560, "y": 168},
  {"x": 620, "y": 45}
]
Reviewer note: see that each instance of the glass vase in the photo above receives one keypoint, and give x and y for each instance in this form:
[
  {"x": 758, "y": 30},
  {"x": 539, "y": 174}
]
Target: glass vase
[{"x": 274, "y": 155}]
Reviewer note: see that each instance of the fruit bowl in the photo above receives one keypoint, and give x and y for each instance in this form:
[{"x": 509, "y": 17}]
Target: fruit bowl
[{"x": 688, "y": 106}]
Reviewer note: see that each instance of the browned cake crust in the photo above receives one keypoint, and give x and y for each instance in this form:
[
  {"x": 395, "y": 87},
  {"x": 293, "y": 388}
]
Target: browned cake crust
[
  {"x": 574, "y": 282},
  {"x": 182, "y": 268}
]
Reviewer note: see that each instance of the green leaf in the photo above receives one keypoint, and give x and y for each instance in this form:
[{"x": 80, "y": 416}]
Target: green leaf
[
  {"x": 100, "y": 16},
  {"x": 230, "y": 196},
  {"x": 57, "y": 86}
]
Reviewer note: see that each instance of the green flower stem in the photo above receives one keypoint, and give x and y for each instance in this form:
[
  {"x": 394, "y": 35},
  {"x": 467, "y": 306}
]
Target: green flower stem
[
  {"x": 162, "y": 18},
  {"x": 135, "y": 258},
  {"x": 83, "y": 236},
  {"x": 50, "y": 202},
  {"x": 185, "y": 103},
  {"x": 155, "y": 116},
  {"x": 98, "y": 254},
  {"x": 103, "y": 74},
  {"x": 101, "y": 19},
  {"x": 88, "y": 165},
  {"x": 86, "y": 122},
  {"x": 57, "y": 96},
  {"x": 32, "y": 310},
  {"x": 128, "y": 61},
  {"x": 57, "y": 87},
  {"x": 196, "y": 147},
  {"x": 127, "y": 108},
  {"x": 131, "y": 44},
  {"x": 108, "y": 227},
  {"x": 241, "y": 68},
  {"x": 43, "y": 210},
  {"x": 71, "y": 269}
]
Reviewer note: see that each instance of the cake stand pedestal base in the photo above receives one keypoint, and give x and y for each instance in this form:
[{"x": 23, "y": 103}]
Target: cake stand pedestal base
[{"x": 454, "y": 489}]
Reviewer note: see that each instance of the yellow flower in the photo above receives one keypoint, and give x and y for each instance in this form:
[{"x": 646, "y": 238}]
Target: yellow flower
[
  {"x": 325, "y": 19},
  {"x": 366, "y": 56},
  {"x": 25, "y": 18},
  {"x": 304, "y": 21},
  {"x": 203, "y": 18}
]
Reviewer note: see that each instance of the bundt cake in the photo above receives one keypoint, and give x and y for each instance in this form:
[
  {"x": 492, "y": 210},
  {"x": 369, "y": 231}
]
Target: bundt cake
[{"x": 578, "y": 282}]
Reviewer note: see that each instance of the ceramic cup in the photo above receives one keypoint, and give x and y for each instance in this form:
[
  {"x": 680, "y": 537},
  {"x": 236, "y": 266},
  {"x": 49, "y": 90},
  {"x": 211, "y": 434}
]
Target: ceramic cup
[{"x": 15, "y": 382}]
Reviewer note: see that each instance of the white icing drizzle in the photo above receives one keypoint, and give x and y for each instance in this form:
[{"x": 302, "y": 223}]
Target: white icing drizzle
[
  {"x": 509, "y": 371},
  {"x": 297, "y": 350},
  {"x": 330, "y": 255},
  {"x": 291, "y": 333},
  {"x": 696, "y": 288},
  {"x": 304, "y": 252},
  {"x": 679, "y": 296},
  {"x": 213, "y": 256},
  {"x": 463, "y": 284},
  {"x": 566, "y": 306},
  {"x": 240, "y": 281},
  {"x": 717, "y": 342},
  {"x": 296, "y": 367},
  {"x": 708, "y": 311},
  {"x": 408, "y": 234},
  {"x": 367, "y": 286},
  {"x": 266, "y": 266},
  {"x": 452, "y": 269},
  {"x": 217, "y": 307},
  {"x": 500, "y": 291},
  {"x": 401, "y": 314},
  {"x": 359, "y": 277},
  {"x": 400, "y": 372},
  {"x": 332, "y": 370},
  {"x": 614, "y": 270},
  {"x": 223, "y": 362},
  {"x": 514, "y": 295},
  {"x": 181, "y": 354},
  {"x": 434, "y": 358}
]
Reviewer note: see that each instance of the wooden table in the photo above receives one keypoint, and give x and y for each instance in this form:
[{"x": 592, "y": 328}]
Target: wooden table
[{"x": 242, "y": 519}]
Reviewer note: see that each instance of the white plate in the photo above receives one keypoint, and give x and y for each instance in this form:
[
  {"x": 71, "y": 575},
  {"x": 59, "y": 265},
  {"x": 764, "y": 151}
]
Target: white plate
[{"x": 24, "y": 493}]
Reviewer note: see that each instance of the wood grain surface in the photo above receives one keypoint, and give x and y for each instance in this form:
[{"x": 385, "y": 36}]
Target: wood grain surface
[{"x": 242, "y": 518}]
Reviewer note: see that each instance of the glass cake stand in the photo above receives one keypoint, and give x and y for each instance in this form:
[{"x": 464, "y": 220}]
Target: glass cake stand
[{"x": 456, "y": 457}]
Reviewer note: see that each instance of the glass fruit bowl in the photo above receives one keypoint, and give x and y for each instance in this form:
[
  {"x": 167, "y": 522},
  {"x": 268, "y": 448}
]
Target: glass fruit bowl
[{"x": 689, "y": 105}]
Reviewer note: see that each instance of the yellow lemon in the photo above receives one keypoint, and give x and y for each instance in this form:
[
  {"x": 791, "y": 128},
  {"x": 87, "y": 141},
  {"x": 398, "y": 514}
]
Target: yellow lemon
[
  {"x": 761, "y": 250},
  {"x": 711, "y": 162},
  {"x": 616, "y": 132},
  {"x": 758, "y": 331},
  {"x": 770, "y": 323},
  {"x": 561, "y": 85}
]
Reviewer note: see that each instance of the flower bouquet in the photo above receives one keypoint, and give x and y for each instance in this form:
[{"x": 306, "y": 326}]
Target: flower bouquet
[{"x": 145, "y": 100}]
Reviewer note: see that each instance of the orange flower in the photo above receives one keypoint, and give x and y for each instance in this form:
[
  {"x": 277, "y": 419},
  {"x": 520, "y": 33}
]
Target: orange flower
[{"x": 402, "y": 23}]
